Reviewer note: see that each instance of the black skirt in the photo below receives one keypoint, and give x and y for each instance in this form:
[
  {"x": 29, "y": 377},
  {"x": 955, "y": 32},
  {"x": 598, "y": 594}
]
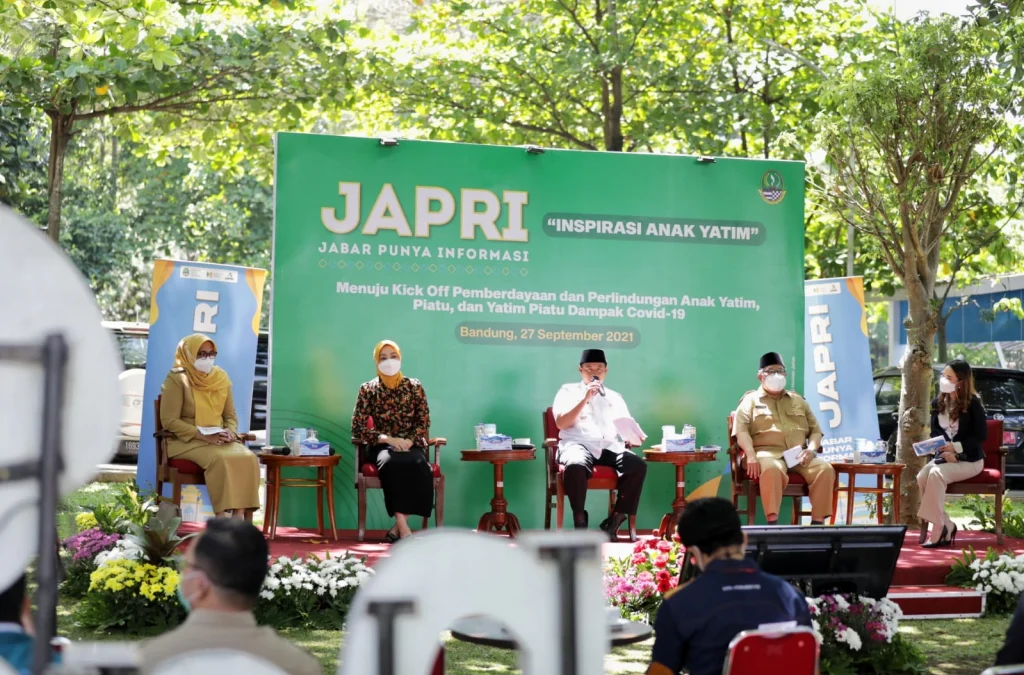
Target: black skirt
[{"x": 407, "y": 479}]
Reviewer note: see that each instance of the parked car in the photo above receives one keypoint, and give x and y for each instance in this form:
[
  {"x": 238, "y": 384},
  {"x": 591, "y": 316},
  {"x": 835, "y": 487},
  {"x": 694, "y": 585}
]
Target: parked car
[
  {"x": 1001, "y": 390},
  {"x": 133, "y": 341}
]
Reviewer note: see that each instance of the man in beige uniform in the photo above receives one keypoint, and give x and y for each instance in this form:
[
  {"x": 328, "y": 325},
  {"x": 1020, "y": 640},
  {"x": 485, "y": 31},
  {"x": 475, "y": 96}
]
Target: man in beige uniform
[
  {"x": 771, "y": 420},
  {"x": 221, "y": 581}
]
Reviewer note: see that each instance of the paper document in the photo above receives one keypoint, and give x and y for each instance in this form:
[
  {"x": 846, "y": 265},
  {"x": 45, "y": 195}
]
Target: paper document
[
  {"x": 792, "y": 456},
  {"x": 210, "y": 431},
  {"x": 930, "y": 447},
  {"x": 630, "y": 431}
]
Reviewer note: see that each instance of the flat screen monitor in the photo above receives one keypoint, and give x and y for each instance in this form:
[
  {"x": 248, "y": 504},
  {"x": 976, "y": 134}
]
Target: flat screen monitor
[{"x": 848, "y": 559}]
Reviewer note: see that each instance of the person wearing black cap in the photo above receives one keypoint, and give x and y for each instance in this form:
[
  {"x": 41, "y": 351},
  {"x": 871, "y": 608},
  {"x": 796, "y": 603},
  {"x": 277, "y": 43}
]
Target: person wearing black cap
[
  {"x": 697, "y": 621},
  {"x": 771, "y": 420},
  {"x": 585, "y": 413}
]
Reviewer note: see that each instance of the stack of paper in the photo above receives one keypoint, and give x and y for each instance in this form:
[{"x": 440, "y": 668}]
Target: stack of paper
[
  {"x": 630, "y": 431},
  {"x": 793, "y": 455}
]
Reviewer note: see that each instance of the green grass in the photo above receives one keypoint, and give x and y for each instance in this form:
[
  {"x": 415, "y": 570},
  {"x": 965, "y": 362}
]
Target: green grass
[{"x": 959, "y": 646}]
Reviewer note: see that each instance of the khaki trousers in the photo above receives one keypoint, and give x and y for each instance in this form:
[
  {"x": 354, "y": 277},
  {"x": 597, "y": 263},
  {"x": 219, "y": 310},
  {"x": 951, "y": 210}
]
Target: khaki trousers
[
  {"x": 820, "y": 477},
  {"x": 933, "y": 479}
]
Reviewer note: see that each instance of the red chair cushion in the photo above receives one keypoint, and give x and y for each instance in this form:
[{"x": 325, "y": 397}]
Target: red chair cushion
[
  {"x": 984, "y": 478},
  {"x": 600, "y": 472},
  {"x": 186, "y": 466},
  {"x": 370, "y": 470}
]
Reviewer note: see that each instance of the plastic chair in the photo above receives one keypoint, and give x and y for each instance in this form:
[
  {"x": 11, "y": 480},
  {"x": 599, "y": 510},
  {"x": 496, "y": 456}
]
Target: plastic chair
[{"x": 793, "y": 651}]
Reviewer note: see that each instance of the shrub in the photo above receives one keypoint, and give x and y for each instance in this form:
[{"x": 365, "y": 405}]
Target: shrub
[
  {"x": 984, "y": 513},
  {"x": 131, "y": 595},
  {"x": 310, "y": 593},
  {"x": 638, "y": 583},
  {"x": 82, "y": 549},
  {"x": 1000, "y": 576},
  {"x": 860, "y": 636}
]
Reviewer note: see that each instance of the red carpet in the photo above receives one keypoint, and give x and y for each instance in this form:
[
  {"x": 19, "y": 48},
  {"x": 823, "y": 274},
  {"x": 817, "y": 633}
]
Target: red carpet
[{"x": 929, "y": 566}]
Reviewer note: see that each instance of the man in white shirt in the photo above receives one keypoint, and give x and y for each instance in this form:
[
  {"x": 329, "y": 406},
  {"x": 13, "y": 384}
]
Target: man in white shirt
[{"x": 585, "y": 413}]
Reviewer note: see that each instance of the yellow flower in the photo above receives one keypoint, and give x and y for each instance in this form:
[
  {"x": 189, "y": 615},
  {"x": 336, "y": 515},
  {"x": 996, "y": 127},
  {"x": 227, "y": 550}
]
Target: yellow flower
[{"x": 85, "y": 521}]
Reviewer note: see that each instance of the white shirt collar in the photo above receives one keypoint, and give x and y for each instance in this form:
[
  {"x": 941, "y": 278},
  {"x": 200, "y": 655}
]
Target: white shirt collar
[{"x": 10, "y": 627}]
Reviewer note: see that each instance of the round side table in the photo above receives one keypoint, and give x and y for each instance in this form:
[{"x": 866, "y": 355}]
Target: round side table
[
  {"x": 498, "y": 518},
  {"x": 680, "y": 460},
  {"x": 485, "y": 631},
  {"x": 324, "y": 482}
]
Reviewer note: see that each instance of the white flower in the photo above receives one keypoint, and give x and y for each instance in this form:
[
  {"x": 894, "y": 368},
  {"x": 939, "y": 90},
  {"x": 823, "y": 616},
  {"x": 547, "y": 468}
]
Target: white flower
[
  {"x": 850, "y": 638},
  {"x": 266, "y": 594},
  {"x": 841, "y": 603}
]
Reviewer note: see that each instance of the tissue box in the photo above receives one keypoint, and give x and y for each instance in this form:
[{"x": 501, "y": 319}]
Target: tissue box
[
  {"x": 873, "y": 456},
  {"x": 494, "y": 442},
  {"x": 312, "y": 448},
  {"x": 680, "y": 444}
]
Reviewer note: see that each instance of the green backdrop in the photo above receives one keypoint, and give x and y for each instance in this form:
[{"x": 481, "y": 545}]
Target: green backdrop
[{"x": 492, "y": 268}]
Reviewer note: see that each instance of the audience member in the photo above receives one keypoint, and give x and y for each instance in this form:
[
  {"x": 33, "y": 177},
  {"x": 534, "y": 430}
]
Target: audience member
[
  {"x": 220, "y": 583},
  {"x": 698, "y": 620}
]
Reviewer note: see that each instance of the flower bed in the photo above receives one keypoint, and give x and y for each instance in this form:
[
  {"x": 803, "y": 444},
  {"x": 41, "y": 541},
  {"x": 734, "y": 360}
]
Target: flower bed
[
  {"x": 861, "y": 635},
  {"x": 124, "y": 565},
  {"x": 1000, "y": 576},
  {"x": 637, "y": 584}
]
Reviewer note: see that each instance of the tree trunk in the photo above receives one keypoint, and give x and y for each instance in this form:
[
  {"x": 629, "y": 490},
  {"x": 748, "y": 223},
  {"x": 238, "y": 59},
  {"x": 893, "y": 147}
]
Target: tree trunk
[
  {"x": 940, "y": 330},
  {"x": 611, "y": 90},
  {"x": 60, "y": 133},
  {"x": 915, "y": 398}
]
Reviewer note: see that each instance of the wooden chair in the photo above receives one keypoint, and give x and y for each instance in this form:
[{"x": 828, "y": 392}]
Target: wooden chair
[
  {"x": 991, "y": 480},
  {"x": 742, "y": 486},
  {"x": 177, "y": 472},
  {"x": 368, "y": 478},
  {"x": 603, "y": 478},
  {"x": 789, "y": 651}
]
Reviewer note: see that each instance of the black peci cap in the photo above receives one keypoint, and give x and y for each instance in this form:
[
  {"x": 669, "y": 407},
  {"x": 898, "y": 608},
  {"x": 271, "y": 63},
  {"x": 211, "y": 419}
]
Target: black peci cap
[
  {"x": 771, "y": 359},
  {"x": 592, "y": 356}
]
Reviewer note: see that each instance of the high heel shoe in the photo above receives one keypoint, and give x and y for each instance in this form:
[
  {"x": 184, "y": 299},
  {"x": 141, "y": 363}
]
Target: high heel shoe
[
  {"x": 952, "y": 536},
  {"x": 941, "y": 542},
  {"x": 924, "y": 533},
  {"x": 392, "y": 536}
]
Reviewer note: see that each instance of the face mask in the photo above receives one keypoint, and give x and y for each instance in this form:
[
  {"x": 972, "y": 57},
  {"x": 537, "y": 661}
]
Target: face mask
[
  {"x": 699, "y": 559},
  {"x": 945, "y": 386},
  {"x": 204, "y": 365},
  {"x": 775, "y": 382},
  {"x": 390, "y": 367},
  {"x": 181, "y": 596}
]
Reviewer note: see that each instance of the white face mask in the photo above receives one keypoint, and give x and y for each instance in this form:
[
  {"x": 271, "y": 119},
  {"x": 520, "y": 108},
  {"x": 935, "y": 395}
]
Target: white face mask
[
  {"x": 775, "y": 382},
  {"x": 390, "y": 367},
  {"x": 205, "y": 365},
  {"x": 946, "y": 386}
]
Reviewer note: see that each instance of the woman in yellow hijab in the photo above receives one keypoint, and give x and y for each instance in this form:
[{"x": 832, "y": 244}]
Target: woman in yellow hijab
[
  {"x": 396, "y": 439},
  {"x": 197, "y": 407}
]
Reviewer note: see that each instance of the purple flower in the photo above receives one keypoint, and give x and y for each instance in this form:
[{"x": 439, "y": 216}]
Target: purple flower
[{"x": 87, "y": 544}]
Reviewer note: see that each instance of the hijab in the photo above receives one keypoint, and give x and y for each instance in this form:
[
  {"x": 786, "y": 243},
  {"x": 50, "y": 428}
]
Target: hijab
[
  {"x": 390, "y": 381},
  {"x": 209, "y": 390}
]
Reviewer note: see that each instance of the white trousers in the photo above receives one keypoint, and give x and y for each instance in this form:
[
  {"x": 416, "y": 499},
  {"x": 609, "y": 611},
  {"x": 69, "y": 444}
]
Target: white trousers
[{"x": 933, "y": 479}]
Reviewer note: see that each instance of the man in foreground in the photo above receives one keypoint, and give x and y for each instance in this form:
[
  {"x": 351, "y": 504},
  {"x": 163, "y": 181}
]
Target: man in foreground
[
  {"x": 698, "y": 620},
  {"x": 771, "y": 420},
  {"x": 585, "y": 413},
  {"x": 220, "y": 584}
]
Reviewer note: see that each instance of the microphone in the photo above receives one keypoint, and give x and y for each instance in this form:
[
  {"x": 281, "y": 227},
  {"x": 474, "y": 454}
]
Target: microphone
[{"x": 595, "y": 378}]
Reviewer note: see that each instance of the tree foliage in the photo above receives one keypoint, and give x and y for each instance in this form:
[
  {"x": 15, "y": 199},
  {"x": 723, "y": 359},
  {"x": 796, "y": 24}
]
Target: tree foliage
[
  {"x": 712, "y": 77},
  {"x": 923, "y": 119},
  {"x": 249, "y": 64}
]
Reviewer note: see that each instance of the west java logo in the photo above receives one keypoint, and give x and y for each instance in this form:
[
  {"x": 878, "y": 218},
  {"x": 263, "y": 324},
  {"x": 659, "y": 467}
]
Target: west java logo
[{"x": 773, "y": 189}]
